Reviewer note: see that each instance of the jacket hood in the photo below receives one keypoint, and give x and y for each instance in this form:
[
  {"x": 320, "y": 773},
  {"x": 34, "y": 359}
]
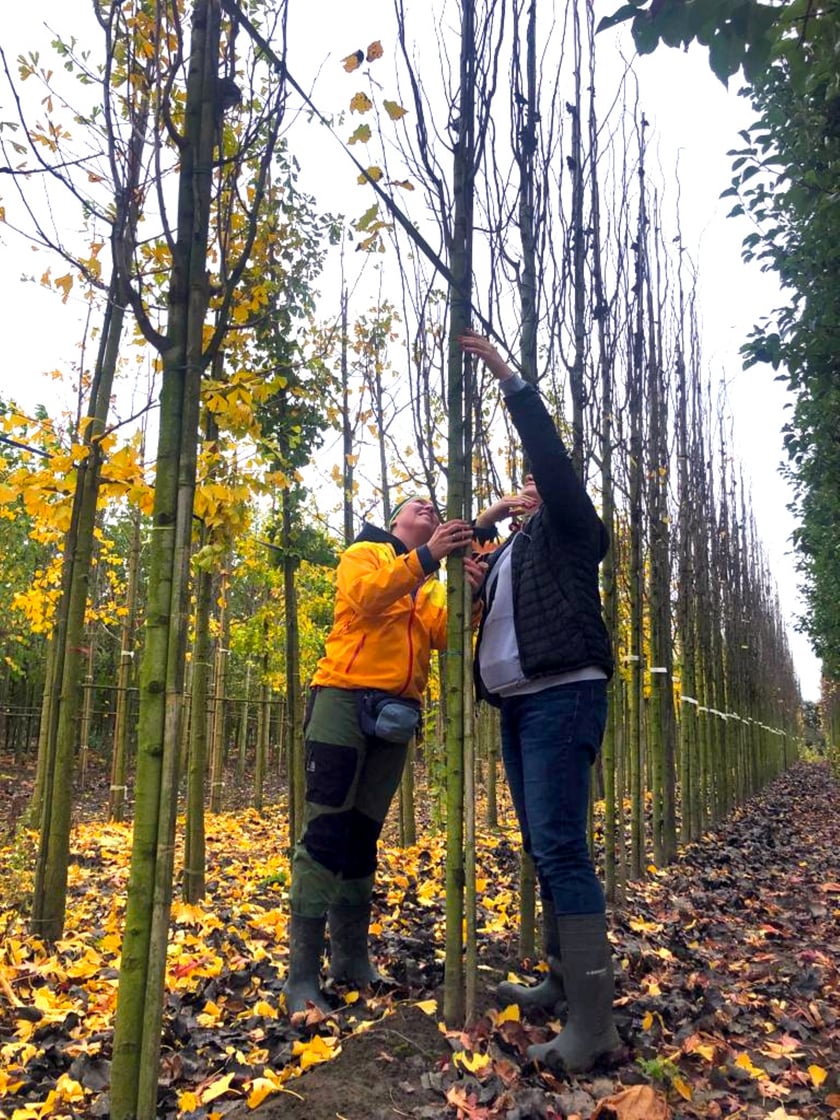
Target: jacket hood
[{"x": 373, "y": 534}]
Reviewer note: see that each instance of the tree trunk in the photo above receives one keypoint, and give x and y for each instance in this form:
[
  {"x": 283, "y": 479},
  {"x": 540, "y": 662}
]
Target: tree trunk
[
  {"x": 459, "y": 622},
  {"x": 219, "y": 721},
  {"x": 194, "y": 846},
  {"x": 134, "y": 1073},
  {"x": 125, "y": 675}
]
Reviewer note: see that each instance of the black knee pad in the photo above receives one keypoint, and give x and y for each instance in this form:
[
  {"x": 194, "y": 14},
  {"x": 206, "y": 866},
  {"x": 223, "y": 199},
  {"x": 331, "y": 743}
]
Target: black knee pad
[
  {"x": 327, "y": 839},
  {"x": 360, "y": 857}
]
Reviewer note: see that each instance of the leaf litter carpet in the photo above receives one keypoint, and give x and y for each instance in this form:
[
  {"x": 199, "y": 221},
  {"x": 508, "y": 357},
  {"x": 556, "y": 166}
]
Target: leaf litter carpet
[{"x": 727, "y": 962}]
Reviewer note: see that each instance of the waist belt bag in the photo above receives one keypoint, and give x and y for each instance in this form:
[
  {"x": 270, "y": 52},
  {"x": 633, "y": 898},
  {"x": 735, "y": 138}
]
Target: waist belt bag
[{"x": 385, "y": 716}]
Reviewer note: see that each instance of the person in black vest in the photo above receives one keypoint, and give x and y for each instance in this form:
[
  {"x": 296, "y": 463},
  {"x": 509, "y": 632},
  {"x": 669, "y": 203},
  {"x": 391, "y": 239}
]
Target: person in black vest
[{"x": 543, "y": 657}]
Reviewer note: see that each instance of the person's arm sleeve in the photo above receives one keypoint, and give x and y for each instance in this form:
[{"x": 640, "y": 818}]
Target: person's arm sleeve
[
  {"x": 565, "y": 496},
  {"x": 370, "y": 585},
  {"x": 437, "y": 616}
]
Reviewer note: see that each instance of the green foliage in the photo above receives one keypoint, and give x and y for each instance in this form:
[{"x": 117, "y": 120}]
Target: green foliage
[
  {"x": 786, "y": 177},
  {"x": 661, "y": 1071},
  {"x": 739, "y": 34}
]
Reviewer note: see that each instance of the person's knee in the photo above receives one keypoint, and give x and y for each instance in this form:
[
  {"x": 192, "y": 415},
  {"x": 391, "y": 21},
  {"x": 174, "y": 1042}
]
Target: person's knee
[
  {"x": 565, "y": 853},
  {"x": 327, "y": 840},
  {"x": 361, "y": 847}
]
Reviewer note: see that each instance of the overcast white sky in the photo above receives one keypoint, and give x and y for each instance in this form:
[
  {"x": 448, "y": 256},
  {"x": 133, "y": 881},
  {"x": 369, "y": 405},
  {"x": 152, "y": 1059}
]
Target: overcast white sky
[{"x": 695, "y": 121}]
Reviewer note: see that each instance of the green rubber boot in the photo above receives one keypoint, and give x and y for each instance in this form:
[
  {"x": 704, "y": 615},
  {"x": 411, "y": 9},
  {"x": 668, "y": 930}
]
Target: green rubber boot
[
  {"x": 306, "y": 948},
  {"x": 349, "y": 959},
  {"x": 587, "y": 970},
  {"x": 549, "y": 992}
]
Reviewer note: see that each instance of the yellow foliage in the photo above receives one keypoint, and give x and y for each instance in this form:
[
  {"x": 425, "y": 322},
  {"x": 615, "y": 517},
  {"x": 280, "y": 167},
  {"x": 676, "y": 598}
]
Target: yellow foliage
[
  {"x": 361, "y": 135},
  {"x": 394, "y": 110},
  {"x": 353, "y": 61},
  {"x": 315, "y": 1051},
  {"x": 360, "y": 103},
  {"x": 374, "y": 173}
]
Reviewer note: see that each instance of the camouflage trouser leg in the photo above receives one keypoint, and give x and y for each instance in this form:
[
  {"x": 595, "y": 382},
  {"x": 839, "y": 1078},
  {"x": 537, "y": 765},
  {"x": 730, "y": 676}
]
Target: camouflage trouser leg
[{"x": 350, "y": 782}]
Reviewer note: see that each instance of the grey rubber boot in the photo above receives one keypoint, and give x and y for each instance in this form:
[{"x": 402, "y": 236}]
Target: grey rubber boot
[
  {"x": 349, "y": 959},
  {"x": 549, "y": 992},
  {"x": 587, "y": 969},
  {"x": 306, "y": 948}
]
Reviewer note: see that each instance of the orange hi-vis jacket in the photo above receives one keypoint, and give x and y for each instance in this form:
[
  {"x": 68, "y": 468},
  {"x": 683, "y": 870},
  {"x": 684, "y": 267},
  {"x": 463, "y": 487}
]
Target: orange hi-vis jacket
[{"x": 390, "y": 613}]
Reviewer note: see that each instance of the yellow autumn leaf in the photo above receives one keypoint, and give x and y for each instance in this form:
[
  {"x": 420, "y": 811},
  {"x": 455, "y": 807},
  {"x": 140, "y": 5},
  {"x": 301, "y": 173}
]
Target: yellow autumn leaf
[
  {"x": 683, "y": 1088},
  {"x": 316, "y": 1051},
  {"x": 67, "y": 1089},
  {"x": 264, "y": 1010},
  {"x": 509, "y": 1014},
  {"x": 65, "y": 283},
  {"x": 374, "y": 51},
  {"x": 217, "y": 1089},
  {"x": 374, "y": 173},
  {"x": 361, "y": 135},
  {"x": 405, "y": 184},
  {"x": 471, "y": 1062},
  {"x": 361, "y": 224},
  {"x": 696, "y": 1045},
  {"x": 261, "y": 1087},
  {"x": 647, "y": 1021},
  {"x": 8, "y": 1084},
  {"x": 360, "y": 103},
  {"x": 638, "y": 925},
  {"x": 743, "y": 1061},
  {"x": 394, "y": 109},
  {"x": 353, "y": 61},
  {"x": 188, "y": 1102},
  {"x": 210, "y": 1016},
  {"x": 428, "y": 1006},
  {"x": 817, "y": 1075}
]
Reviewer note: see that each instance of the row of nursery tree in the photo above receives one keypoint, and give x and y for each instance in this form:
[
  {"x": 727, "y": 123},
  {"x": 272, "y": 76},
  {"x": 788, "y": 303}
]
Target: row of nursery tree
[{"x": 161, "y": 618}]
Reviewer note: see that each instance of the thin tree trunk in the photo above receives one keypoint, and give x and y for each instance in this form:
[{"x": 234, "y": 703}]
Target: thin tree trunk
[
  {"x": 242, "y": 746},
  {"x": 217, "y": 747},
  {"x": 458, "y": 621},
  {"x": 86, "y": 723},
  {"x": 125, "y": 675},
  {"x": 194, "y": 846},
  {"x": 134, "y": 1073},
  {"x": 293, "y": 737}
]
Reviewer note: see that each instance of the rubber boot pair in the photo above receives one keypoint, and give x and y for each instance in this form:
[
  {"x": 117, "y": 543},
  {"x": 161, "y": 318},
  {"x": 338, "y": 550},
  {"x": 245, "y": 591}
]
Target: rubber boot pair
[
  {"x": 349, "y": 960},
  {"x": 549, "y": 992},
  {"x": 587, "y": 974}
]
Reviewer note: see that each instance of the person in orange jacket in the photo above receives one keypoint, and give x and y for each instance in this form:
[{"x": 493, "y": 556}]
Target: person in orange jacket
[{"x": 364, "y": 707}]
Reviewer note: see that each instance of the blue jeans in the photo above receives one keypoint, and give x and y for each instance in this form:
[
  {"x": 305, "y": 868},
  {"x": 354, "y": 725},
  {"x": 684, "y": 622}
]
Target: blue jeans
[{"x": 549, "y": 741}]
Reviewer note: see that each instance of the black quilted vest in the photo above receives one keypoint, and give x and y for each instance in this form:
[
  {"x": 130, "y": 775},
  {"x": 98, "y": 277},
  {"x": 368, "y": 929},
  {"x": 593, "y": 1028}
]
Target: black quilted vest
[{"x": 555, "y": 558}]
